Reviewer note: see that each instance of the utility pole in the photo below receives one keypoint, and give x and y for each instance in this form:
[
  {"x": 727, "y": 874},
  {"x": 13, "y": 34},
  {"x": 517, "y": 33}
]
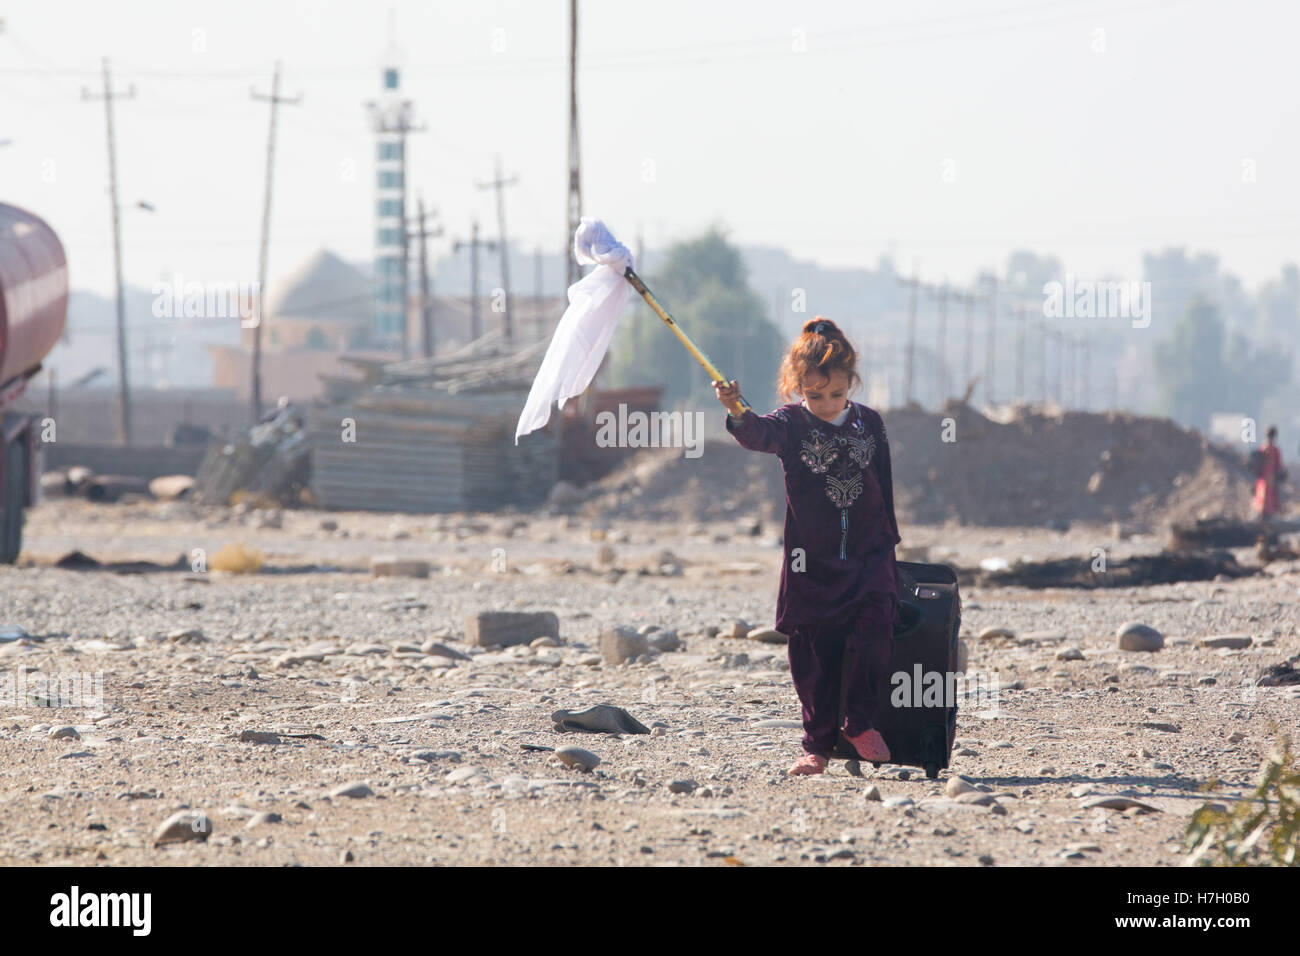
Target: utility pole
[
  {"x": 914, "y": 282},
  {"x": 575, "y": 167},
  {"x": 424, "y": 233},
  {"x": 475, "y": 325},
  {"x": 539, "y": 313},
  {"x": 1020, "y": 352},
  {"x": 275, "y": 99},
  {"x": 499, "y": 184},
  {"x": 123, "y": 390},
  {"x": 991, "y": 346},
  {"x": 968, "y": 359},
  {"x": 941, "y": 344},
  {"x": 1042, "y": 369},
  {"x": 1087, "y": 349}
]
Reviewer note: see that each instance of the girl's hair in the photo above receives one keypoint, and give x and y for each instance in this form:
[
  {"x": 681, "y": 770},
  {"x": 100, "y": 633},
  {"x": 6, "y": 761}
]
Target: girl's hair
[{"x": 820, "y": 350}]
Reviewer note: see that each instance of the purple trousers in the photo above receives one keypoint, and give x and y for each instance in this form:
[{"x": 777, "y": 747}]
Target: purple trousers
[{"x": 854, "y": 659}]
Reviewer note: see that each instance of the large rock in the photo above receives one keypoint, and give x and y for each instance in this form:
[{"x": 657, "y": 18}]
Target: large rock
[
  {"x": 1135, "y": 636},
  {"x": 506, "y": 628},
  {"x": 617, "y": 644},
  {"x": 599, "y": 719},
  {"x": 183, "y": 826},
  {"x": 578, "y": 758}
]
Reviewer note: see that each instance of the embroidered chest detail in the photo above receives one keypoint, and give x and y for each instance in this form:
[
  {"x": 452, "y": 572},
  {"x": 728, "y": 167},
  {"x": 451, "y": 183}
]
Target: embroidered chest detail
[{"x": 850, "y": 452}]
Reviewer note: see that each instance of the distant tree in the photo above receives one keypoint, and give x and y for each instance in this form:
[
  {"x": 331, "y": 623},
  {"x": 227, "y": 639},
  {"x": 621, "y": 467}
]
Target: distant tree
[
  {"x": 702, "y": 284},
  {"x": 1197, "y": 375}
]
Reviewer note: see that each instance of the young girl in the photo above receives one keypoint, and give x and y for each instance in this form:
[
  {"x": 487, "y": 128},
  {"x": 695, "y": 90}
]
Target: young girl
[{"x": 838, "y": 599}]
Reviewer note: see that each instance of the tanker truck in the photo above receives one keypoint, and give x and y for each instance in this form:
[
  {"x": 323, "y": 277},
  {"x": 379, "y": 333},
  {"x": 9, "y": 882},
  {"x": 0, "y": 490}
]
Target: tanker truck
[{"x": 33, "y": 309}]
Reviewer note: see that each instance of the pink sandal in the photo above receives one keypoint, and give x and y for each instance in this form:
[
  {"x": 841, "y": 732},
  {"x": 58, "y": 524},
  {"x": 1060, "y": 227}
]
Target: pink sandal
[
  {"x": 807, "y": 764},
  {"x": 870, "y": 745}
]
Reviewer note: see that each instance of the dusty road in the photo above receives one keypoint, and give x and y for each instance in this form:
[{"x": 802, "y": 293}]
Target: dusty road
[{"x": 315, "y": 645}]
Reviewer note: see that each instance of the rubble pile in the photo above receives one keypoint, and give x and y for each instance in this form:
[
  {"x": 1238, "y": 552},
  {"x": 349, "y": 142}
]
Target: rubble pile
[{"x": 1043, "y": 468}]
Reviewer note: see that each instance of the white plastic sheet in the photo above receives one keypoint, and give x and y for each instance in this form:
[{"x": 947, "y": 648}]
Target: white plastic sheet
[{"x": 596, "y": 301}]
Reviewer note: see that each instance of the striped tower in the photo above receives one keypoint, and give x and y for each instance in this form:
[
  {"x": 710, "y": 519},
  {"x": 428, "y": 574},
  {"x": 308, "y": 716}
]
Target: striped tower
[{"x": 391, "y": 119}]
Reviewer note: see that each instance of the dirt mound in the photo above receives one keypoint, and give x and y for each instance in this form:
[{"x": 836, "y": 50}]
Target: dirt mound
[
  {"x": 1040, "y": 468},
  {"x": 1051, "y": 468},
  {"x": 726, "y": 482}
]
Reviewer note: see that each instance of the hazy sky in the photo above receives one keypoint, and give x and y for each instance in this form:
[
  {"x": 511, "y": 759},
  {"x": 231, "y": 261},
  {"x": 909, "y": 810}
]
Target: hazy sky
[{"x": 945, "y": 132}]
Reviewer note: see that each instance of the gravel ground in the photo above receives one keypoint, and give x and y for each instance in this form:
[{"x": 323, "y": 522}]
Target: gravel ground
[{"x": 314, "y": 645}]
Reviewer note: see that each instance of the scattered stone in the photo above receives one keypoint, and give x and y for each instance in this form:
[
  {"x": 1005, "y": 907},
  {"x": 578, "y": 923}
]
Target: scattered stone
[
  {"x": 775, "y": 724},
  {"x": 583, "y": 760},
  {"x": 543, "y": 642},
  {"x": 1131, "y": 668},
  {"x": 391, "y": 566},
  {"x": 871, "y": 792},
  {"x": 899, "y": 801},
  {"x": 664, "y": 641},
  {"x": 183, "y": 826},
  {"x": 767, "y": 636},
  {"x": 619, "y": 644},
  {"x": 1070, "y": 654},
  {"x": 1119, "y": 803},
  {"x": 976, "y": 798},
  {"x": 1236, "y": 737},
  {"x": 64, "y": 733},
  {"x": 682, "y": 786},
  {"x": 442, "y": 650},
  {"x": 600, "y": 719},
  {"x": 353, "y": 790},
  {"x": 1134, "y": 636},
  {"x": 958, "y": 785},
  {"x": 506, "y": 628},
  {"x": 996, "y": 633},
  {"x": 1233, "y": 641},
  {"x": 258, "y": 737},
  {"x": 257, "y": 819},
  {"x": 737, "y": 629},
  {"x": 345, "y": 856},
  {"x": 190, "y": 635},
  {"x": 1156, "y": 725},
  {"x": 465, "y": 774}
]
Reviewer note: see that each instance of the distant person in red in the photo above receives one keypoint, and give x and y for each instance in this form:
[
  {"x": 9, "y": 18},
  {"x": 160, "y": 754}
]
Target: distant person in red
[
  {"x": 839, "y": 582},
  {"x": 1270, "y": 475}
]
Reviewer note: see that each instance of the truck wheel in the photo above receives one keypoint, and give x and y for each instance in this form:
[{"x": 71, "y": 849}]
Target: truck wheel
[{"x": 14, "y": 484}]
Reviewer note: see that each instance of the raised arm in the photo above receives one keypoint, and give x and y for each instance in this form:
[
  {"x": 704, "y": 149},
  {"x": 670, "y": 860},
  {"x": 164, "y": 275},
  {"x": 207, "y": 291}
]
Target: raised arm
[{"x": 767, "y": 433}]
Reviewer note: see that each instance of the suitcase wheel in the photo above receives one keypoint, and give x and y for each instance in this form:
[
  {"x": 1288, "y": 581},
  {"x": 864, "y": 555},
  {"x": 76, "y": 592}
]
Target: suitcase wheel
[
  {"x": 853, "y": 767},
  {"x": 931, "y": 771}
]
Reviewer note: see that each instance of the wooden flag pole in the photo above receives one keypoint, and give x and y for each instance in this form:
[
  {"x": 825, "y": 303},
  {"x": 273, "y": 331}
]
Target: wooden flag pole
[{"x": 742, "y": 405}]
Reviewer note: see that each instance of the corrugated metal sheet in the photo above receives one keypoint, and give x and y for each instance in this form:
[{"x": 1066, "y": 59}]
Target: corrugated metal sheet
[
  {"x": 433, "y": 435},
  {"x": 33, "y": 291}
]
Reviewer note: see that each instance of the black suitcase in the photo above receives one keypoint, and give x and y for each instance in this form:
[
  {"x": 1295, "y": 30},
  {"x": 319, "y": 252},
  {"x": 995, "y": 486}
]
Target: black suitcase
[{"x": 925, "y": 641}]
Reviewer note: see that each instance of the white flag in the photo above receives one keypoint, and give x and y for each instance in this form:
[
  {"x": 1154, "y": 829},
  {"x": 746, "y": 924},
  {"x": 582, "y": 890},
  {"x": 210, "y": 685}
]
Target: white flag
[{"x": 581, "y": 339}]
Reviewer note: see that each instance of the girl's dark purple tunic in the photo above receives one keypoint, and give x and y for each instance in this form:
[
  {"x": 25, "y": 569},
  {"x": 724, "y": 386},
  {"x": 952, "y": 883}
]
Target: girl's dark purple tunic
[{"x": 839, "y": 511}]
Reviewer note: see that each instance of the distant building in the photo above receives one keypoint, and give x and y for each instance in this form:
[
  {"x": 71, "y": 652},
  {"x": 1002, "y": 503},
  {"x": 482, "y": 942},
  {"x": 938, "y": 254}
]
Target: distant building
[{"x": 324, "y": 309}]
